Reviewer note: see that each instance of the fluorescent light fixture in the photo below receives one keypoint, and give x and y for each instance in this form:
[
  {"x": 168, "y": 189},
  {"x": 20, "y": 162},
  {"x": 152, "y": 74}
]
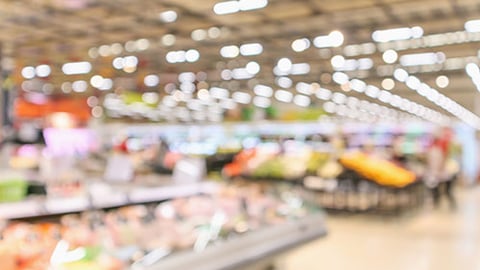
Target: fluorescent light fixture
[
  {"x": 151, "y": 80},
  {"x": 323, "y": 94},
  {"x": 304, "y": 88},
  {"x": 472, "y": 26},
  {"x": 358, "y": 85},
  {"x": 130, "y": 61},
  {"x": 284, "y": 64},
  {"x": 246, "y": 5},
  {"x": 372, "y": 91},
  {"x": 263, "y": 90},
  {"x": 192, "y": 55},
  {"x": 199, "y": 34},
  {"x": 226, "y": 7},
  {"x": 300, "y": 45},
  {"x": 338, "y": 61},
  {"x": 340, "y": 78},
  {"x": 365, "y": 63},
  {"x": 390, "y": 56},
  {"x": 220, "y": 93},
  {"x": 186, "y": 77},
  {"x": 339, "y": 98},
  {"x": 96, "y": 81},
  {"x": 419, "y": 59},
  {"x": 43, "y": 70},
  {"x": 334, "y": 39},
  {"x": 79, "y": 86},
  {"x": 300, "y": 69},
  {"x": 28, "y": 72},
  {"x": 388, "y": 84},
  {"x": 168, "y": 16},
  {"x": 242, "y": 97},
  {"x": 262, "y": 102},
  {"x": 400, "y": 75},
  {"x": 442, "y": 81},
  {"x": 284, "y": 82},
  {"x": 230, "y": 51},
  {"x": 176, "y": 57},
  {"x": 249, "y": 49},
  {"x": 403, "y": 33},
  {"x": 252, "y": 67},
  {"x": 76, "y": 68},
  {"x": 283, "y": 96},
  {"x": 302, "y": 101},
  {"x": 241, "y": 74},
  {"x": 168, "y": 40}
]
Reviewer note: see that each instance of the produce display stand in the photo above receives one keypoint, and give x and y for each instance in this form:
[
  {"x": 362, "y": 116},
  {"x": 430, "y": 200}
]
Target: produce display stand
[{"x": 247, "y": 249}]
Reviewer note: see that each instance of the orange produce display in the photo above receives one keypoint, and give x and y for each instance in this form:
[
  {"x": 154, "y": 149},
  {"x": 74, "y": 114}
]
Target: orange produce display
[{"x": 380, "y": 171}]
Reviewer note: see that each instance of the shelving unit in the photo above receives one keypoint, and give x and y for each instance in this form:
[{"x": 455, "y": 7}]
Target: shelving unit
[{"x": 39, "y": 207}]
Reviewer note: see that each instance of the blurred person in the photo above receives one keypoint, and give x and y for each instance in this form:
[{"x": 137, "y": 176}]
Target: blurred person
[{"x": 440, "y": 173}]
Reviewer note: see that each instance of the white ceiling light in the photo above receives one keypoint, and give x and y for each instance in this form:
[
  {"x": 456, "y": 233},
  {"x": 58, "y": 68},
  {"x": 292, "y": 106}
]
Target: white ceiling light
[
  {"x": 242, "y": 97},
  {"x": 262, "y": 102},
  {"x": 323, "y": 94},
  {"x": 283, "y": 96},
  {"x": 43, "y": 71},
  {"x": 413, "y": 82},
  {"x": 107, "y": 84},
  {"x": 263, "y": 90},
  {"x": 214, "y": 32},
  {"x": 358, "y": 85},
  {"x": 151, "y": 80},
  {"x": 400, "y": 75},
  {"x": 340, "y": 78},
  {"x": 199, "y": 34},
  {"x": 104, "y": 50},
  {"x": 79, "y": 86},
  {"x": 284, "y": 82},
  {"x": 301, "y": 100},
  {"x": 130, "y": 46},
  {"x": 300, "y": 69},
  {"x": 186, "y": 77},
  {"x": 390, "y": 56},
  {"x": 96, "y": 81},
  {"x": 192, "y": 55},
  {"x": 334, "y": 39},
  {"x": 118, "y": 63},
  {"x": 472, "y": 26},
  {"x": 284, "y": 64},
  {"x": 168, "y": 16},
  {"x": 75, "y": 68},
  {"x": 116, "y": 48},
  {"x": 372, "y": 91},
  {"x": 418, "y": 59},
  {"x": 28, "y": 72},
  {"x": 220, "y": 93},
  {"x": 168, "y": 40},
  {"x": 388, "y": 84},
  {"x": 142, "y": 44},
  {"x": 337, "y": 61},
  {"x": 226, "y": 7},
  {"x": 300, "y": 45},
  {"x": 230, "y": 51},
  {"x": 241, "y": 74},
  {"x": 252, "y": 67},
  {"x": 249, "y": 49},
  {"x": 304, "y": 88},
  {"x": 403, "y": 33},
  {"x": 130, "y": 61},
  {"x": 246, "y": 5},
  {"x": 442, "y": 81},
  {"x": 175, "y": 57}
]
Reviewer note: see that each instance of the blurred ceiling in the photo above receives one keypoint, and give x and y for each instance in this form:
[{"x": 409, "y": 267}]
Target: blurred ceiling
[{"x": 60, "y": 31}]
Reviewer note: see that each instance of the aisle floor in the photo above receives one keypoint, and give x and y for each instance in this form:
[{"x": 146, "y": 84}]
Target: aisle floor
[{"x": 437, "y": 239}]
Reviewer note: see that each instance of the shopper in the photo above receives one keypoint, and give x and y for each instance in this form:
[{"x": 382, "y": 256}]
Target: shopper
[{"x": 437, "y": 177}]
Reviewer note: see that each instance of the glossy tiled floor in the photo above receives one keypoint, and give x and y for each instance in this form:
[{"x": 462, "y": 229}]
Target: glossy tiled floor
[{"x": 437, "y": 239}]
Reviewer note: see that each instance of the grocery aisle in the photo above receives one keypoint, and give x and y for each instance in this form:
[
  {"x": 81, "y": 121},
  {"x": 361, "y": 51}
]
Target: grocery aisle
[{"x": 433, "y": 239}]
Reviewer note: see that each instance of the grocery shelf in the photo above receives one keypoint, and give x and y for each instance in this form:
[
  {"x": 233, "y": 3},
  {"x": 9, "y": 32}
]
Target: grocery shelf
[
  {"x": 39, "y": 207},
  {"x": 246, "y": 249}
]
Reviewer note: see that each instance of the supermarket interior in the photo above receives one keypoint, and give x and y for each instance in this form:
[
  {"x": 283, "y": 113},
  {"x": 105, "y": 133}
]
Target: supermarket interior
[{"x": 239, "y": 134}]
